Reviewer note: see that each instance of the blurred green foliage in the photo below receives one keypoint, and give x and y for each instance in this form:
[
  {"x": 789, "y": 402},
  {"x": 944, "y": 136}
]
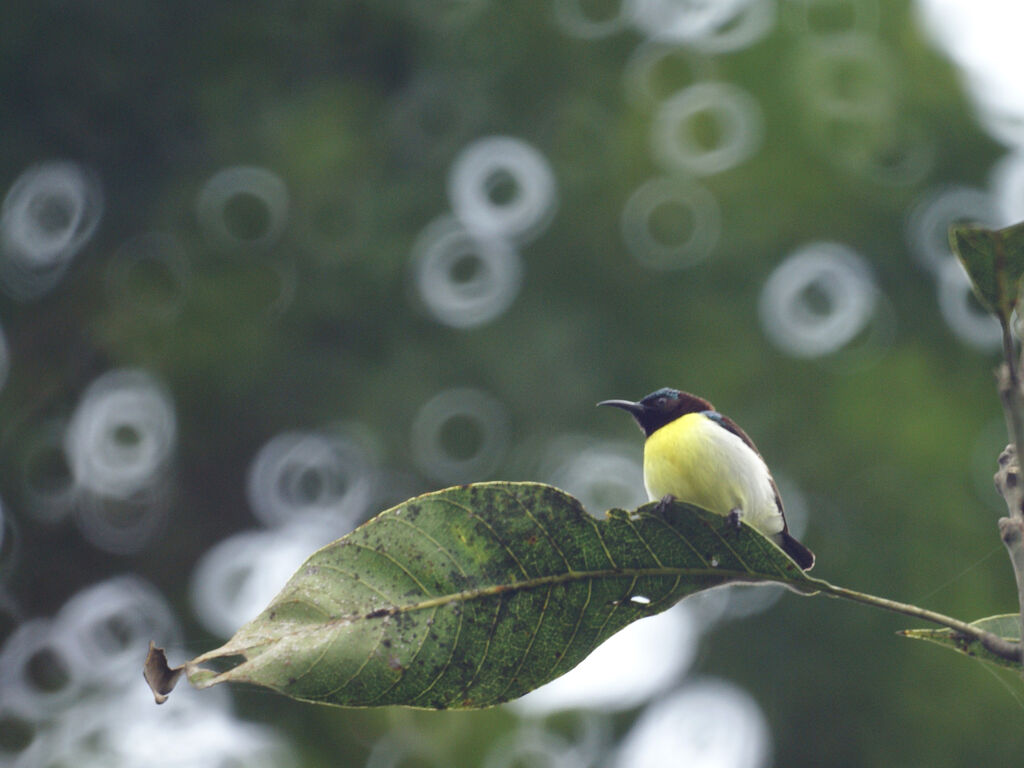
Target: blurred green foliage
[{"x": 158, "y": 98}]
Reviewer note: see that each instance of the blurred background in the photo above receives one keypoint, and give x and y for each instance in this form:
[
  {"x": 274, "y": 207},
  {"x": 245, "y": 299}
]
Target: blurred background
[{"x": 268, "y": 268}]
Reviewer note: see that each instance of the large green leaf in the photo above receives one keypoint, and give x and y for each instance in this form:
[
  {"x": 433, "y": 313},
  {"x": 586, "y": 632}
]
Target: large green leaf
[
  {"x": 475, "y": 595},
  {"x": 1006, "y": 626},
  {"x": 994, "y": 260}
]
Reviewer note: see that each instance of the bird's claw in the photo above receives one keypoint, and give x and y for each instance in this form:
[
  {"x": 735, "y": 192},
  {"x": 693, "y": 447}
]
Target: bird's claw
[
  {"x": 735, "y": 516},
  {"x": 667, "y": 499}
]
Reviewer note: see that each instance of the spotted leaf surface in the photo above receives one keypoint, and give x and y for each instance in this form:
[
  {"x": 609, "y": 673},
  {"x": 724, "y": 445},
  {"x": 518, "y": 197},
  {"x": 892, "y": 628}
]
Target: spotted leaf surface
[{"x": 475, "y": 595}]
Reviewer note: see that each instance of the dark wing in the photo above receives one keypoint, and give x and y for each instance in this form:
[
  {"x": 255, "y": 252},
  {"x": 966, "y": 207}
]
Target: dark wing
[{"x": 801, "y": 554}]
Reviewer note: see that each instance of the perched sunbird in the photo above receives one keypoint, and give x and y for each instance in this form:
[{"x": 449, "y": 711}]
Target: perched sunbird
[{"x": 696, "y": 455}]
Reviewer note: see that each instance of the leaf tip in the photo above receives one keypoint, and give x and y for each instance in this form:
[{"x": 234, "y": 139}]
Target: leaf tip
[
  {"x": 968, "y": 234},
  {"x": 956, "y": 233},
  {"x": 160, "y": 677}
]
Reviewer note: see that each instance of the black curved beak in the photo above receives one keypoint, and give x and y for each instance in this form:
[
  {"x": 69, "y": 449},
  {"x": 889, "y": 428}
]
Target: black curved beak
[{"x": 626, "y": 405}]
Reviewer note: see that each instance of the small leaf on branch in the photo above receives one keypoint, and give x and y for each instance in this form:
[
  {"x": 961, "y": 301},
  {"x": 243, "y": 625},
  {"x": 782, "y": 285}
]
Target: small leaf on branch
[
  {"x": 475, "y": 595},
  {"x": 1005, "y": 626},
  {"x": 994, "y": 260}
]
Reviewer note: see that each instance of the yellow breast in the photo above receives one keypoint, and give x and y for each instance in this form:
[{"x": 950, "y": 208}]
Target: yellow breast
[{"x": 698, "y": 461}]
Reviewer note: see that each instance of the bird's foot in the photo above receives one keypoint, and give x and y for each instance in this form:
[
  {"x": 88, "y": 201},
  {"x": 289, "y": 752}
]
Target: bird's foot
[
  {"x": 735, "y": 516},
  {"x": 667, "y": 499}
]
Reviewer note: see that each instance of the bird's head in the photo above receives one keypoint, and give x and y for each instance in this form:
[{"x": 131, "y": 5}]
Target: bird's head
[{"x": 660, "y": 407}]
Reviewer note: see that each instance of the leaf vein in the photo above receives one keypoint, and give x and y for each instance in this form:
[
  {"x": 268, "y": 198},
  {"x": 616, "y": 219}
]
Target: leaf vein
[
  {"x": 615, "y": 606},
  {"x": 529, "y": 647},
  {"x": 575, "y": 629},
  {"x": 419, "y": 648},
  {"x": 543, "y": 528},
  {"x": 726, "y": 543},
  {"x": 494, "y": 534},
  {"x": 643, "y": 541},
  {"x": 354, "y": 675},
  {"x": 678, "y": 535},
  {"x": 392, "y": 560},
  {"x": 447, "y": 665},
  {"x": 432, "y": 540},
  {"x": 487, "y": 647},
  {"x": 362, "y": 582},
  {"x": 318, "y": 659},
  {"x": 600, "y": 538}
]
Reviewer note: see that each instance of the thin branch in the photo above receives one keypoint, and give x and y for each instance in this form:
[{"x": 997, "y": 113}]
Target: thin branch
[
  {"x": 1011, "y": 528},
  {"x": 1001, "y": 647},
  {"x": 1008, "y": 377}
]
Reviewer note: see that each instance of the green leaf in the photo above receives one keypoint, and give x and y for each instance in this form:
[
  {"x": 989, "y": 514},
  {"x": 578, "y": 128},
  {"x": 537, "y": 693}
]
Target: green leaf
[
  {"x": 994, "y": 260},
  {"x": 475, "y": 595},
  {"x": 1006, "y": 626}
]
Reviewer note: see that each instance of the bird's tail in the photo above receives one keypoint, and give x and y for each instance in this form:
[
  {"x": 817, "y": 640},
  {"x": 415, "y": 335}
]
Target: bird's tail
[{"x": 801, "y": 554}]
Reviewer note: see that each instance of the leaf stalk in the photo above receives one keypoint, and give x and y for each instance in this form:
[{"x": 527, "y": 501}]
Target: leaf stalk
[{"x": 997, "y": 645}]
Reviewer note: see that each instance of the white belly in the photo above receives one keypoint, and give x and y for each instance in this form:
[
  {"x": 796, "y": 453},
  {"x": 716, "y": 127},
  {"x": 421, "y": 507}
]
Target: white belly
[{"x": 698, "y": 461}]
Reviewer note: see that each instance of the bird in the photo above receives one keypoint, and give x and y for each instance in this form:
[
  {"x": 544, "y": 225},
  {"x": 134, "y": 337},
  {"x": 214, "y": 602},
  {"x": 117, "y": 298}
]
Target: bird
[{"x": 694, "y": 454}]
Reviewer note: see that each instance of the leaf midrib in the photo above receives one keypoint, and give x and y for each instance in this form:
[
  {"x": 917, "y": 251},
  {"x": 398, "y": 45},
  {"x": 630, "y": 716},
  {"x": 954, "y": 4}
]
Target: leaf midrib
[
  {"x": 536, "y": 582},
  {"x": 492, "y": 590}
]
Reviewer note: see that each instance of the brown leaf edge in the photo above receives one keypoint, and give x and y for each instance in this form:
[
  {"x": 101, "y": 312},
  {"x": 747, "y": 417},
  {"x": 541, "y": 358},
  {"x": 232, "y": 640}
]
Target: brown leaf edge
[{"x": 159, "y": 675}]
